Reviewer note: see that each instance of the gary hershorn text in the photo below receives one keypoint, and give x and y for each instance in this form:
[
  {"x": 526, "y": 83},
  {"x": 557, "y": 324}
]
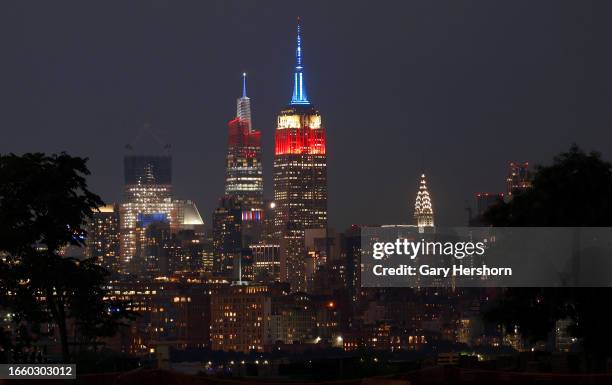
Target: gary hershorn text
[{"x": 429, "y": 271}]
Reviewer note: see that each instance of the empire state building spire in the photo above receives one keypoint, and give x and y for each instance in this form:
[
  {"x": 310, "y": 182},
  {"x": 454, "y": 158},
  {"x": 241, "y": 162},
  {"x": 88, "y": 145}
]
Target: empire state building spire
[
  {"x": 299, "y": 88},
  {"x": 423, "y": 210}
]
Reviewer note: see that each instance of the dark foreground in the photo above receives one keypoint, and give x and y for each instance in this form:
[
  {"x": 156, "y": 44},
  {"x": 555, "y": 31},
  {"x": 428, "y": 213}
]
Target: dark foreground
[{"x": 437, "y": 375}]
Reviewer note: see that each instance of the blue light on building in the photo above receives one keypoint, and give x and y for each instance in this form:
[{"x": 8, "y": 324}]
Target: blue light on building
[
  {"x": 299, "y": 88},
  {"x": 144, "y": 220}
]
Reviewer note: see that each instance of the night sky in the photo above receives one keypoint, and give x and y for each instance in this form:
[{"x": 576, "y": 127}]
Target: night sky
[{"x": 457, "y": 88}]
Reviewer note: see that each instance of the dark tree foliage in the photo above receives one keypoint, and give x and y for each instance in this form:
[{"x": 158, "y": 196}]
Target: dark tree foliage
[
  {"x": 44, "y": 207},
  {"x": 576, "y": 190}
]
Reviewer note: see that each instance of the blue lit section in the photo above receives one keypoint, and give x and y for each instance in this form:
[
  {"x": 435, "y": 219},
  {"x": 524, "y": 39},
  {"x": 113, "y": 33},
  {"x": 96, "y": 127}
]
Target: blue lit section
[
  {"x": 244, "y": 85},
  {"x": 144, "y": 220},
  {"x": 299, "y": 89}
]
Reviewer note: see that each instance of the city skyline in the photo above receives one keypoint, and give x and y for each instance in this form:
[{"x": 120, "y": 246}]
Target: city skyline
[
  {"x": 420, "y": 78},
  {"x": 272, "y": 191}
]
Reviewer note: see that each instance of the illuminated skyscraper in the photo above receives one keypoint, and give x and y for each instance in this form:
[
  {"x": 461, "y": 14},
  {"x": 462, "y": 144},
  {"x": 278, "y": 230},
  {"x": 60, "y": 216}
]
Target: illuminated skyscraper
[
  {"x": 103, "y": 237},
  {"x": 238, "y": 220},
  {"x": 300, "y": 177},
  {"x": 227, "y": 238},
  {"x": 519, "y": 178},
  {"x": 423, "y": 210},
  {"x": 147, "y": 198},
  {"x": 244, "y": 175}
]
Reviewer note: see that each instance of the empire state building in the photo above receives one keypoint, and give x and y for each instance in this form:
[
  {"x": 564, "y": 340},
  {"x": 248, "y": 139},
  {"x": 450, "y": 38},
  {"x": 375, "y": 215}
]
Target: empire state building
[{"x": 300, "y": 176}]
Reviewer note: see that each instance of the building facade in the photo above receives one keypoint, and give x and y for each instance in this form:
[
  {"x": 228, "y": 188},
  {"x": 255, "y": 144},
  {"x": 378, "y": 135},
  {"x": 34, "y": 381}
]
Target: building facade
[
  {"x": 103, "y": 237},
  {"x": 300, "y": 177},
  {"x": 240, "y": 318},
  {"x": 266, "y": 262},
  {"x": 227, "y": 238}
]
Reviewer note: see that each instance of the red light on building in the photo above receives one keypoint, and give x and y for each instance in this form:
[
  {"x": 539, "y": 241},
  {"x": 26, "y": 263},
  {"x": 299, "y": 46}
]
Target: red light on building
[
  {"x": 299, "y": 141},
  {"x": 252, "y": 215},
  {"x": 240, "y": 135}
]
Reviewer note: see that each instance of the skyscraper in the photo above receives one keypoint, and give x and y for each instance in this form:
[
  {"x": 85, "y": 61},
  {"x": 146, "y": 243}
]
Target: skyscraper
[
  {"x": 238, "y": 220},
  {"x": 148, "y": 201},
  {"x": 147, "y": 198},
  {"x": 227, "y": 238},
  {"x": 485, "y": 200},
  {"x": 244, "y": 175},
  {"x": 266, "y": 262},
  {"x": 423, "y": 210},
  {"x": 300, "y": 176},
  {"x": 519, "y": 177},
  {"x": 103, "y": 237}
]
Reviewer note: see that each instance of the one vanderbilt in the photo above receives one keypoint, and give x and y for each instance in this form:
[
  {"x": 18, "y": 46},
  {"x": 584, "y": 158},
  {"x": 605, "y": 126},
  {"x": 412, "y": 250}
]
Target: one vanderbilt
[{"x": 413, "y": 249}]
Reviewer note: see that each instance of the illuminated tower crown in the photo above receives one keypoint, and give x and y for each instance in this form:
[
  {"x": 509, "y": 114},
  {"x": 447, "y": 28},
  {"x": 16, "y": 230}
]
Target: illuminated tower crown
[
  {"x": 243, "y": 104},
  {"x": 299, "y": 87},
  {"x": 423, "y": 210}
]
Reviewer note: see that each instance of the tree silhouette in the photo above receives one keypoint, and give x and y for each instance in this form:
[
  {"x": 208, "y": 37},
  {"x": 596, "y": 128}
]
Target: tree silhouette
[
  {"x": 44, "y": 206},
  {"x": 574, "y": 191}
]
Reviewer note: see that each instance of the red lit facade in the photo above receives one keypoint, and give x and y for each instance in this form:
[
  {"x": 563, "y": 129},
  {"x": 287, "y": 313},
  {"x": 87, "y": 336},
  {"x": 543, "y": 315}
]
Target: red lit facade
[
  {"x": 244, "y": 175},
  {"x": 304, "y": 140},
  {"x": 300, "y": 187},
  {"x": 242, "y": 138}
]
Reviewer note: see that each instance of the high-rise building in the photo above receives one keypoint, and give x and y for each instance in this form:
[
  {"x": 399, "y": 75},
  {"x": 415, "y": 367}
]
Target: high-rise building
[
  {"x": 147, "y": 196},
  {"x": 207, "y": 254},
  {"x": 240, "y": 318},
  {"x": 322, "y": 247},
  {"x": 103, "y": 237},
  {"x": 238, "y": 220},
  {"x": 300, "y": 176},
  {"x": 148, "y": 201},
  {"x": 244, "y": 175},
  {"x": 519, "y": 177},
  {"x": 485, "y": 200},
  {"x": 227, "y": 238},
  {"x": 423, "y": 209},
  {"x": 266, "y": 262},
  {"x": 154, "y": 251}
]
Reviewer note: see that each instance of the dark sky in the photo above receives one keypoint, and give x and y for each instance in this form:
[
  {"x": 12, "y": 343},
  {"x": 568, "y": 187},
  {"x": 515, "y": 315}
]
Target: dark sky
[{"x": 457, "y": 87}]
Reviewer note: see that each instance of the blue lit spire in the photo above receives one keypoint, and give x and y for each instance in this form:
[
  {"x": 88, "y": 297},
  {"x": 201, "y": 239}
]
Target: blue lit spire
[
  {"x": 243, "y": 104},
  {"x": 244, "y": 85},
  {"x": 299, "y": 88}
]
